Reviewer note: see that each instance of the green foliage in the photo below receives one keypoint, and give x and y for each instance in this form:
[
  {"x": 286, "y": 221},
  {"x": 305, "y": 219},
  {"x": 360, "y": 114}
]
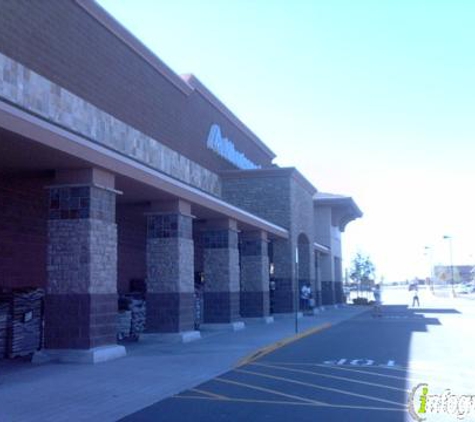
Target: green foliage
[{"x": 362, "y": 271}]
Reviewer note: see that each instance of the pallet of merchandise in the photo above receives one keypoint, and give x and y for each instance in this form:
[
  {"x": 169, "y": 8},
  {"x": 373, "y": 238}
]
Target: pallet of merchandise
[
  {"x": 137, "y": 306},
  {"x": 4, "y": 316},
  {"x": 25, "y": 333},
  {"x": 124, "y": 324}
]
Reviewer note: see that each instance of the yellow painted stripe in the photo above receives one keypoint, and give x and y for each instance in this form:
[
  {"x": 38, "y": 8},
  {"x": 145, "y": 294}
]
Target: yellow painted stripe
[
  {"x": 290, "y": 403},
  {"x": 268, "y": 349},
  {"x": 320, "y": 387},
  {"x": 268, "y": 390},
  {"x": 209, "y": 393},
  {"x": 301, "y": 371}
]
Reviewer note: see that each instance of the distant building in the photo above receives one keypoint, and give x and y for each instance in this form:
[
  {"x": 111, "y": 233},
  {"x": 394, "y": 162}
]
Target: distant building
[{"x": 462, "y": 273}]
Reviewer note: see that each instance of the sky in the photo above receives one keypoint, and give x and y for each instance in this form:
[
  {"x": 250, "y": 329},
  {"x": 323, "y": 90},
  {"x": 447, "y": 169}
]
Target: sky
[{"x": 373, "y": 99}]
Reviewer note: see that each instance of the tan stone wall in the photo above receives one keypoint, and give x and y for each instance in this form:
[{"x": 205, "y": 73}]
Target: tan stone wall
[{"x": 38, "y": 95}]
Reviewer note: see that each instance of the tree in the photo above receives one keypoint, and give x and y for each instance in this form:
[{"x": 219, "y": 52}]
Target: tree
[{"x": 362, "y": 272}]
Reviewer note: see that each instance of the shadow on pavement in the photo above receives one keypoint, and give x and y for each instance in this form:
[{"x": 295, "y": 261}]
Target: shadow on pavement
[
  {"x": 436, "y": 310},
  {"x": 358, "y": 370}
]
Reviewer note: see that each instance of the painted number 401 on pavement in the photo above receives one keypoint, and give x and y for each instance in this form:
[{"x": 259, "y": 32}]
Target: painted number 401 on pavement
[{"x": 361, "y": 362}]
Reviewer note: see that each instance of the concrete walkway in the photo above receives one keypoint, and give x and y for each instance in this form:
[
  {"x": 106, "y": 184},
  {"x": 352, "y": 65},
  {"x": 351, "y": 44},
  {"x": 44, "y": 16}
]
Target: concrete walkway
[{"x": 151, "y": 372}]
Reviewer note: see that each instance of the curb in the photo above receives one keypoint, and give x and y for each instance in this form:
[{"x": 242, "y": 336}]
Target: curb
[{"x": 281, "y": 343}]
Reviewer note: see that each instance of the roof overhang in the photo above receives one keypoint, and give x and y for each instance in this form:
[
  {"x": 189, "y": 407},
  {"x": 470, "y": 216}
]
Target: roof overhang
[
  {"x": 321, "y": 248},
  {"x": 48, "y": 134},
  {"x": 344, "y": 208}
]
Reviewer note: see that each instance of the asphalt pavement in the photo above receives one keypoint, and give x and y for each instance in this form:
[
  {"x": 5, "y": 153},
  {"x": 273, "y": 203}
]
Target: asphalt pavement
[
  {"x": 366, "y": 368},
  {"x": 152, "y": 371}
]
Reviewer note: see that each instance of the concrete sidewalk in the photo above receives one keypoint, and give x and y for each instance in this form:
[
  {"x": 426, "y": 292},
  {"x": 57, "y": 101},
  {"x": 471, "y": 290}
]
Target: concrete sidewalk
[{"x": 151, "y": 372}]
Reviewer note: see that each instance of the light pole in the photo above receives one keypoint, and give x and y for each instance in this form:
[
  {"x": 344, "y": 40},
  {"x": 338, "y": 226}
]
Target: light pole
[
  {"x": 297, "y": 291},
  {"x": 449, "y": 238}
]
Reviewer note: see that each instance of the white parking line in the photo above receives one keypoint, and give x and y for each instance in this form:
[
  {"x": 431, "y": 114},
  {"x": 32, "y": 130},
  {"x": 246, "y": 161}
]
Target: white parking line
[
  {"x": 301, "y": 371},
  {"x": 321, "y": 387}
]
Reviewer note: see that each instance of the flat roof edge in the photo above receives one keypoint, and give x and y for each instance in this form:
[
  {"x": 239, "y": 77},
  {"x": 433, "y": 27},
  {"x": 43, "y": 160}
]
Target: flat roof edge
[
  {"x": 196, "y": 84},
  {"x": 183, "y": 83},
  {"x": 108, "y": 21},
  {"x": 321, "y": 248},
  {"x": 346, "y": 201}
]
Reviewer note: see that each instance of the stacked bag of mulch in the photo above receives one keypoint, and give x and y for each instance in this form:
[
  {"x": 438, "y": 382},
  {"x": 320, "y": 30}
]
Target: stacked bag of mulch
[
  {"x": 4, "y": 315},
  {"x": 124, "y": 324},
  {"x": 135, "y": 305},
  {"x": 26, "y": 322},
  {"x": 21, "y": 321}
]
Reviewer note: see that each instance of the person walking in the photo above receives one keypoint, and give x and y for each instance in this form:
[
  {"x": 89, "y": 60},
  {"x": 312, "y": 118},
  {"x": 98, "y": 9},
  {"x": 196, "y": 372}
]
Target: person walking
[
  {"x": 377, "y": 309},
  {"x": 415, "y": 295},
  {"x": 305, "y": 295}
]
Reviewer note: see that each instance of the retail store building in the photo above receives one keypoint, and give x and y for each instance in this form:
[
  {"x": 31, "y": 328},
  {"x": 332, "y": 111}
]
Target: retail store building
[{"x": 116, "y": 174}]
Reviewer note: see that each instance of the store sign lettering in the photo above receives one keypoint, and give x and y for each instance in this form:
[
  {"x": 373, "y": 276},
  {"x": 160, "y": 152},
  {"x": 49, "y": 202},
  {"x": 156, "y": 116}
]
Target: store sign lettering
[{"x": 225, "y": 148}]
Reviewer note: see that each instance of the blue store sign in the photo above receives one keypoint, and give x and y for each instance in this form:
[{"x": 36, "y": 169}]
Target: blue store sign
[{"x": 225, "y": 148}]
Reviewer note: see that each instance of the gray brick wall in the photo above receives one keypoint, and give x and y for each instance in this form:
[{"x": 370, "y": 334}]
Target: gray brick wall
[
  {"x": 254, "y": 276},
  {"x": 254, "y": 273},
  {"x": 284, "y": 200},
  {"x": 267, "y": 197},
  {"x": 170, "y": 265},
  {"x": 303, "y": 232},
  {"x": 82, "y": 256},
  {"x": 221, "y": 268}
]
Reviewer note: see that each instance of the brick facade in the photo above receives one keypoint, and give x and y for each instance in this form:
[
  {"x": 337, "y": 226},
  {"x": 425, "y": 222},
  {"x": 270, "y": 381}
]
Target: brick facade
[
  {"x": 254, "y": 275},
  {"x": 132, "y": 238},
  {"x": 328, "y": 293},
  {"x": 23, "y": 229},
  {"x": 338, "y": 292},
  {"x": 81, "y": 299},
  {"x": 318, "y": 279},
  {"x": 170, "y": 273},
  {"x": 221, "y": 274},
  {"x": 87, "y": 59},
  {"x": 283, "y": 197},
  {"x": 86, "y": 91},
  {"x": 80, "y": 321},
  {"x": 303, "y": 230}
]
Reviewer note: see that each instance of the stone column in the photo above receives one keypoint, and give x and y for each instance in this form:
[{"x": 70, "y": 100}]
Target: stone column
[
  {"x": 170, "y": 269},
  {"x": 318, "y": 280},
  {"x": 328, "y": 288},
  {"x": 221, "y": 275},
  {"x": 254, "y": 275},
  {"x": 81, "y": 299},
  {"x": 338, "y": 285},
  {"x": 284, "y": 276}
]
